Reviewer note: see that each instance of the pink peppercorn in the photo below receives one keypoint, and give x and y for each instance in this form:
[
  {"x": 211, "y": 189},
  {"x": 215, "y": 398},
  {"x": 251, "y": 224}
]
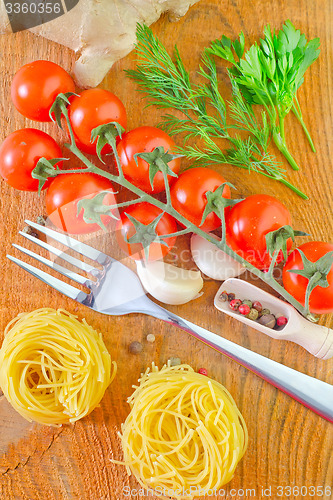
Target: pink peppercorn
[
  {"x": 281, "y": 320},
  {"x": 257, "y": 305},
  {"x": 244, "y": 309},
  {"x": 203, "y": 371},
  {"x": 234, "y": 304}
]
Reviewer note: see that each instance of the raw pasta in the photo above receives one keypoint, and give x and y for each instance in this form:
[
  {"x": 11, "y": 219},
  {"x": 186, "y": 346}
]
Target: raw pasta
[
  {"x": 54, "y": 369},
  {"x": 184, "y": 435}
]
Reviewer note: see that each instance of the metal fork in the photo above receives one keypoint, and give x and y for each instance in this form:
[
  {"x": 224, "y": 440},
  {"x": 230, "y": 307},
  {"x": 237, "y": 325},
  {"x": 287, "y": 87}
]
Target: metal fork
[{"x": 116, "y": 290}]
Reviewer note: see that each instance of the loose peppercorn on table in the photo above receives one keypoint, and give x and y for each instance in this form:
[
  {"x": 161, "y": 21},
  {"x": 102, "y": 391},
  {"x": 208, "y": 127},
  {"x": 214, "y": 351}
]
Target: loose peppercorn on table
[{"x": 290, "y": 448}]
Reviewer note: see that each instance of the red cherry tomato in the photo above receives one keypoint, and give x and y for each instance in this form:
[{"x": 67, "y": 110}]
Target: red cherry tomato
[
  {"x": 188, "y": 195},
  {"x": 35, "y": 87},
  {"x": 90, "y": 109},
  {"x": 63, "y": 195},
  {"x": 145, "y": 213},
  {"x": 249, "y": 221},
  {"x": 145, "y": 140},
  {"x": 19, "y": 154},
  {"x": 321, "y": 299}
]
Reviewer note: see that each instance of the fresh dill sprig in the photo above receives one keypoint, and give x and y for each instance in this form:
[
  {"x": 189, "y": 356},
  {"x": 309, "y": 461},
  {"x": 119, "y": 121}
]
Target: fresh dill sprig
[
  {"x": 166, "y": 84},
  {"x": 169, "y": 84}
]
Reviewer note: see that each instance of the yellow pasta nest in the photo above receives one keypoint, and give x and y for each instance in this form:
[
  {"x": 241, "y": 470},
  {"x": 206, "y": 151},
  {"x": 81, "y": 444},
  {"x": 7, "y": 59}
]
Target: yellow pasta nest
[
  {"x": 54, "y": 369},
  {"x": 184, "y": 435}
]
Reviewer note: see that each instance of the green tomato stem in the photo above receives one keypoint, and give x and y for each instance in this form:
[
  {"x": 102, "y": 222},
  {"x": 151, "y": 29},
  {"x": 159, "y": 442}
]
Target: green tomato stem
[
  {"x": 166, "y": 182},
  {"x": 120, "y": 205},
  {"x": 75, "y": 150},
  {"x": 311, "y": 285},
  {"x": 273, "y": 262},
  {"x": 223, "y": 227},
  {"x": 113, "y": 144},
  {"x": 64, "y": 111},
  {"x": 177, "y": 233},
  {"x": 76, "y": 171}
]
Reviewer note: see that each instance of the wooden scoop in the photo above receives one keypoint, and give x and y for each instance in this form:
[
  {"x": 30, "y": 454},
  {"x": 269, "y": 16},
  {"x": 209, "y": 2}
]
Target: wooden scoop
[{"x": 316, "y": 339}]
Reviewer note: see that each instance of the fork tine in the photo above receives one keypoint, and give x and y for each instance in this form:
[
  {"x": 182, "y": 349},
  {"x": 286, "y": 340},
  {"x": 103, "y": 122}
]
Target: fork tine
[
  {"x": 68, "y": 290},
  {"x": 76, "y": 245},
  {"x": 60, "y": 253},
  {"x": 53, "y": 265}
]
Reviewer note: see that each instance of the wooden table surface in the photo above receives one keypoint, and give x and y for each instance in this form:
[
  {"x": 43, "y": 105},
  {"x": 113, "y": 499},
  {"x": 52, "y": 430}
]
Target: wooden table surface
[{"x": 288, "y": 444}]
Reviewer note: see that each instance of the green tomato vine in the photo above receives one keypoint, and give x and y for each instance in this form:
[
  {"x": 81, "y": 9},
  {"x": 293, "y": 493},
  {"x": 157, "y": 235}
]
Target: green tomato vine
[{"x": 158, "y": 161}]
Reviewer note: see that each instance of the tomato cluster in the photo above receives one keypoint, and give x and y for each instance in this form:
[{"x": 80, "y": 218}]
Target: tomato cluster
[
  {"x": 247, "y": 224},
  {"x": 34, "y": 89}
]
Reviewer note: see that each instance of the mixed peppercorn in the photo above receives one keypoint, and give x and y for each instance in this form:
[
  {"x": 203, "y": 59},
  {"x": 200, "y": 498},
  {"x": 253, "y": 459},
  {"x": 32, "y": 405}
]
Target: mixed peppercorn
[{"x": 253, "y": 310}]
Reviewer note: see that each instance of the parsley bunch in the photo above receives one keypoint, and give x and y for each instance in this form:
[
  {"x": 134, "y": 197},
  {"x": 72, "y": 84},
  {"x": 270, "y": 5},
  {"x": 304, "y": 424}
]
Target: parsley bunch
[{"x": 270, "y": 74}]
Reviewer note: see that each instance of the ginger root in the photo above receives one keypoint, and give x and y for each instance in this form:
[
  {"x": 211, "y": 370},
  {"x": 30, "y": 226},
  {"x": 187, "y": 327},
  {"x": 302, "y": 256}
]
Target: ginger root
[{"x": 101, "y": 31}]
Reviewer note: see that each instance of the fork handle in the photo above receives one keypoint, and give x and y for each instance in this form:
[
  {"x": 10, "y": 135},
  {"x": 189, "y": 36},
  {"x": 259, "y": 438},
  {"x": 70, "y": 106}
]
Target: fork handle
[{"x": 311, "y": 392}]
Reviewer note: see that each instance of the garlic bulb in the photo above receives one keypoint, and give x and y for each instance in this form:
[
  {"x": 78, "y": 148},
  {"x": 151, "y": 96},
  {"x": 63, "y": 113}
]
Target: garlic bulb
[
  {"x": 169, "y": 284},
  {"x": 212, "y": 261}
]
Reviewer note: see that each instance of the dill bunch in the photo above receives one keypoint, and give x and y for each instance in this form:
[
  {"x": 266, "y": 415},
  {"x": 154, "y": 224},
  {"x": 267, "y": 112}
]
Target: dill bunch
[{"x": 165, "y": 82}]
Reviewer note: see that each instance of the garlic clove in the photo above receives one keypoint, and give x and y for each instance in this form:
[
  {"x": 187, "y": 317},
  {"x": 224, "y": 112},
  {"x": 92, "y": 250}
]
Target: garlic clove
[
  {"x": 212, "y": 261},
  {"x": 169, "y": 284}
]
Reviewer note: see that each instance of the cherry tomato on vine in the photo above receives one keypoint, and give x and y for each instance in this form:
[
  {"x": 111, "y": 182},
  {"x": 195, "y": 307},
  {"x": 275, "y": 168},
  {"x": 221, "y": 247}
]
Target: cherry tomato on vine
[
  {"x": 145, "y": 140},
  {"x": 35, "y": 87},
  {"x": 90, "y": 109},
  {"x": 19, "y": 154},
  {"x": 247, "y": 224},
  {"x": 188, "y": 195},
  {"x": 63, "y": 195},
  {"x": 145, "y": 213},
  {"x": 321, "y": 299}
]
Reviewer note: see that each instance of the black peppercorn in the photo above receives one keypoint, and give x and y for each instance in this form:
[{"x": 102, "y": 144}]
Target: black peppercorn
[
  {"x": 224, "y": 297},
  {"x": 263, "y": 312},
  {"x": 268, "y": 320},
  {"x": 135, "y": 347}
]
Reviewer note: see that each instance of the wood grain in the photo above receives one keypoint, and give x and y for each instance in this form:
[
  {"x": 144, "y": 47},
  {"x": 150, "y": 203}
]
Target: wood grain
[{"x": 289, "y": 445}]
